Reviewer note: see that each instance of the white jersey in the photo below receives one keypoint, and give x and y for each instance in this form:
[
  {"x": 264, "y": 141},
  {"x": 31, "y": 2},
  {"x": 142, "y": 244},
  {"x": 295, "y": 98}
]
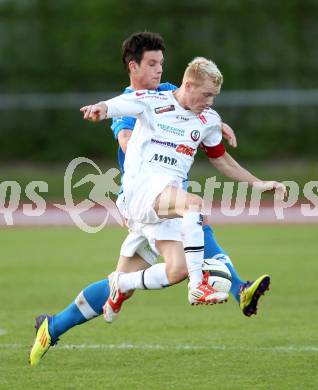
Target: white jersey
[{"x": 166, "y": 136}]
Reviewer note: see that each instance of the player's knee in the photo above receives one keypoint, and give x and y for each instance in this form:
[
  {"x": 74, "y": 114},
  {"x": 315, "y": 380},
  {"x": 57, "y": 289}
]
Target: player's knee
[
  {"x": 205, "y": 220},
  {"x": 194, "y": 202}
]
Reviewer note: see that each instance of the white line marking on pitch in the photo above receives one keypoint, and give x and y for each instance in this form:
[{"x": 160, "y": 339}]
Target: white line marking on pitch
[{"x": 183, "y": 347}]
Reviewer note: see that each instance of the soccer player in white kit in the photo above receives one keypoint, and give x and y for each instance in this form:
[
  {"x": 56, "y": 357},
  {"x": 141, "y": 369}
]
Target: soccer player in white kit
[{"x": 170, "y": 128}]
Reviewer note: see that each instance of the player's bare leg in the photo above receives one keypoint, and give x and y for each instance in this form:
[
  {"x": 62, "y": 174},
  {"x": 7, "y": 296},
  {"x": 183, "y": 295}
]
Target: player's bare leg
[
  {"x": 157, "y": 276},
  {"x": 174, "y": 202},
  {"x": 127, "y": 265},
  {"x": 131, "y": 264},
  {"x": 116, "y": 296},
  {"x": 173, "y": 254}
]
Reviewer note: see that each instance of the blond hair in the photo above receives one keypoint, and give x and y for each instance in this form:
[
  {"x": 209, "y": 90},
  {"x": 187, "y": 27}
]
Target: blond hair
[{"x": 201, "y": 69}]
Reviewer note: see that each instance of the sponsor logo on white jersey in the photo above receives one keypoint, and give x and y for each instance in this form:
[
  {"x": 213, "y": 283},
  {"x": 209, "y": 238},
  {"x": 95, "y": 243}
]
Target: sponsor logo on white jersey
[
  {"x": 195, "y": 135},
  {"x": 182, "y": 118},
  {"x": 163, "y": 159},
  {"x": 181, "y": 148},
  {"x": 171, "y": 129},
  {"x": 161, "y": 110},
  {"x": 164, "y": 143},
  {"x": 151, "y": 94},
  {"x": 185, "y": 149}
]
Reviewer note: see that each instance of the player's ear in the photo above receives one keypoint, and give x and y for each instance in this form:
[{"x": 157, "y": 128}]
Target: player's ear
[
  {"x": 188, "y": 86},
  {"x": 132, "y": 66}
]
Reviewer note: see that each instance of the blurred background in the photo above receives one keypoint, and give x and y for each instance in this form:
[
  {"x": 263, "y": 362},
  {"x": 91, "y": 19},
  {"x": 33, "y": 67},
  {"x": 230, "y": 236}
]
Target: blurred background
[{"x": 57, "y": 55}]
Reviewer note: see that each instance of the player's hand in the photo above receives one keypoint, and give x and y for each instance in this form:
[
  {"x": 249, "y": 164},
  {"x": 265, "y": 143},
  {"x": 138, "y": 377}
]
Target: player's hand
[
  {"x": 229, "y": 135},
  {"x": 273, "y": 186},
  {"x": 95, "y": 112}
]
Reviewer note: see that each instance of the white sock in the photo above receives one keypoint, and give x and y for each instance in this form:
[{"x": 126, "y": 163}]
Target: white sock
[
  {"x": 193, "y": 242},
  {"x": 152, "y": 278}
]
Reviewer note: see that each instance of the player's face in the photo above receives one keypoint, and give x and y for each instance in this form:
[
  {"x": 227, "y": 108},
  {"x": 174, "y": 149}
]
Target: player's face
[
  {"x": 201, "y": 96},
  {"x": 147, "y": 74}
]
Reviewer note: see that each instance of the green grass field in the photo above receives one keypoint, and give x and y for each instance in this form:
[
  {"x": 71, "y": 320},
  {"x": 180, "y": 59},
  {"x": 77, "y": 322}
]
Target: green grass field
[{"x": 159, "y": 341}]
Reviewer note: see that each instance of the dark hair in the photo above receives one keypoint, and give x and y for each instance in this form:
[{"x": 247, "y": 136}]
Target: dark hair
[{"x": 134, "y": 47}]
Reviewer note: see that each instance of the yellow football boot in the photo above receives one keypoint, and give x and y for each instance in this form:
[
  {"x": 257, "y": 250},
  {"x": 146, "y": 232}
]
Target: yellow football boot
[
  {"x": 251, "y": 292},
  {"x": 42, "y": 340}
]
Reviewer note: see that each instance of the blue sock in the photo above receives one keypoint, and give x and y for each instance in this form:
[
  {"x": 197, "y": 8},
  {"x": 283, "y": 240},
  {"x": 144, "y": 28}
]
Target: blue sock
[
  {"x": 213, "y": 249},
  {"x": 87, "y": 305},
  {"x": 236, "y": 281}
]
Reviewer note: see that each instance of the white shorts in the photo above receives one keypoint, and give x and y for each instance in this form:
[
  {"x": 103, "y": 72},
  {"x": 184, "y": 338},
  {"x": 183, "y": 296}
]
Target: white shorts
[
  {"x": 140, "y": 195},
  {"x": 142, "y": 240},
  {"x": 120, "y": 203}
]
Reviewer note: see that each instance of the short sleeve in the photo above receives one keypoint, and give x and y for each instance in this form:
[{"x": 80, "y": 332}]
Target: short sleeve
[
  {"x": 122, "y": 122},
  {"x": 214, "y": 135},
  {"x": 212, "y": 143}
]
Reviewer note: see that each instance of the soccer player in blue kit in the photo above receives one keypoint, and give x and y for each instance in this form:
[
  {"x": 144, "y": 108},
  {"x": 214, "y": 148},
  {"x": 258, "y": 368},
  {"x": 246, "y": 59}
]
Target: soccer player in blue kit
[{"x": 143, "y": 58}]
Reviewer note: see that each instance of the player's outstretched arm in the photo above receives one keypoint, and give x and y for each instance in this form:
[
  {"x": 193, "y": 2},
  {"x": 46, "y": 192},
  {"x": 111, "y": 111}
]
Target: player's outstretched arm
[
  {"x": 95, "y": 112},
  {"x": 123, "y": 138},
  {"x": 232, "y": 169},
  {"x": 229, "y": 135}
]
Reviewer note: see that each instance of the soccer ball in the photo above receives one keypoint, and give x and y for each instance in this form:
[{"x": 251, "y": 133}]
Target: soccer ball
[{"x": 219, "y": 275}]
